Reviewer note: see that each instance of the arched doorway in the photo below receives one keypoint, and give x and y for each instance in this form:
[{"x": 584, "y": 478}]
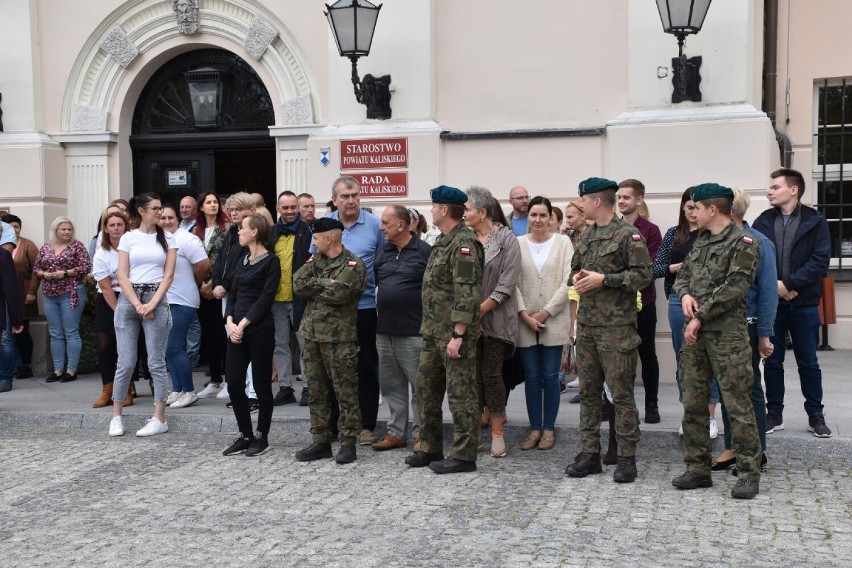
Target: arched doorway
[{"x": 201, "y": 124}]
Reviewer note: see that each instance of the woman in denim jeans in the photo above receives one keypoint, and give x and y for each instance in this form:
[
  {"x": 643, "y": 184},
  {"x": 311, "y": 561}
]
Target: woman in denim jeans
[
  {"x": 61, "y": 265},
  {"x": 146, "y": 268},
  {"x": 191, "y": 266}
]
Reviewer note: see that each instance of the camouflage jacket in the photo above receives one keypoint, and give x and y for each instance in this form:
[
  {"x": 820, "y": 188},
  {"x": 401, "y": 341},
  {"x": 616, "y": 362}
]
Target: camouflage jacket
[
  {"x": 617, "y": 251},
  {"x": 332, "y": 287},
  {"x": 718, "y": 272},
  {"x": 452, "y": 285}
]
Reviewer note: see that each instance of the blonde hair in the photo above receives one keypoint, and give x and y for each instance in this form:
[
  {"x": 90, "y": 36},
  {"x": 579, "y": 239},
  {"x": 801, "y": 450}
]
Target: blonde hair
[
  {"x": 56, "y": 224},
  {"x": 740, "y": 204},
  {"x": 242, "y": 200}
]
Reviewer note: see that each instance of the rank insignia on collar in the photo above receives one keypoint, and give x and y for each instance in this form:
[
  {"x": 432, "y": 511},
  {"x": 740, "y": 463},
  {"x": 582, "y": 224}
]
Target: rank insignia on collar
[
  {"x": 637, "y": 237},
  {"x": 748, "y": 240},
  {"x": 464, "y": 250},
  {"x": 352, "y": 264}
]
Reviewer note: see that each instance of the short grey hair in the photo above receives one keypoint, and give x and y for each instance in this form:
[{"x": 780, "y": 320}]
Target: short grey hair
[
  {"x": 350, "y": 183},
  {"x": 481, "y": 198}
]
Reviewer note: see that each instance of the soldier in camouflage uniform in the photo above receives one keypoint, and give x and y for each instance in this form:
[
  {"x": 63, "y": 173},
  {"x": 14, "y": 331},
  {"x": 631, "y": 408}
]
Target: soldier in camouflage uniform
[
  {"x": 712, "y": 285},
  {"x": 610, "y": 264},
  {"x": 332, "y": 281},
  {"x": 450, "y": 329}
]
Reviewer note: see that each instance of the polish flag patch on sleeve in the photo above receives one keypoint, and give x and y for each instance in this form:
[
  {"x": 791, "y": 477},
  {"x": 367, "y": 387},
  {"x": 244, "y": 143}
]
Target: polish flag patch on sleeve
[
  {"x": 352, "y": 264},
  {"x": 748, "y": 240},
  {"x": 464, "y": 250},
  {"x": 637, "y": 238}
]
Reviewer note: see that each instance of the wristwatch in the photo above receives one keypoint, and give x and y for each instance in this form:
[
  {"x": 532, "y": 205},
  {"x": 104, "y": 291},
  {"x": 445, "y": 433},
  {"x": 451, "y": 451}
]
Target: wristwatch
[{"x": 457, "y": 335}]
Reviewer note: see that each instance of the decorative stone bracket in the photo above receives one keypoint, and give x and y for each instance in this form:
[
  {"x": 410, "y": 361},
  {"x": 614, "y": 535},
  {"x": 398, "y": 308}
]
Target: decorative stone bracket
[{"x": 119, "y": 46}]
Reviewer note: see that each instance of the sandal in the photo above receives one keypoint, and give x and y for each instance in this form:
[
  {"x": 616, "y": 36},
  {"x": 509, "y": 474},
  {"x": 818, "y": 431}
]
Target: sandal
[{"x": 498, "y": 444}]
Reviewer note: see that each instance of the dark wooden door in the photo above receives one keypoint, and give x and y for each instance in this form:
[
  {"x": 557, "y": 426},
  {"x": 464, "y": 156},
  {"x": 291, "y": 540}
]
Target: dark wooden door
[{"x": 174, "y": 174}]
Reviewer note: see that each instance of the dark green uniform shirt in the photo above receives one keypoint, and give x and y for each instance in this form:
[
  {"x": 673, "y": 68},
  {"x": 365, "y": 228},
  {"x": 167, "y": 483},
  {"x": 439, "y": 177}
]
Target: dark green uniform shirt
[
  {"x": 718, "y": 272},
  {"x": 617, "y": 251},
  {"x": 452, "y": 285},
  {"x": 332, "y": 287}
]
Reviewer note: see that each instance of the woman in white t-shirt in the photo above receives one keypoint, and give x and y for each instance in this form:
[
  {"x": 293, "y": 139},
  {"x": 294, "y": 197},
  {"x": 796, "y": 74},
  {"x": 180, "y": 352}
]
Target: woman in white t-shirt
[
  {"x": 146, "y": 268},
  {"x": 191, "y": 266},
  {"x": 105, "y": 273},
  {"x": 544, "y": 319}
]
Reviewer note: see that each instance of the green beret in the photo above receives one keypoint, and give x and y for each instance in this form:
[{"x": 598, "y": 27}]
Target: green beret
[
  {"x": 596, "y": 185},
  {"x": 710, "y": 191},
  {"x": 327, "y": 224},
  {"x": 447, "y": 195}
]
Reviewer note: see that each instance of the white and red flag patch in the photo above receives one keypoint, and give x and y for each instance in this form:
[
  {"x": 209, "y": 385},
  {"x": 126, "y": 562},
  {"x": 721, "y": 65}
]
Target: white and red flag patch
[
  {"x": 637, "y": 237},
  {"x": 464, "y": 250},
  {"x": 748, "y": 240},
  {"x": 352, "y": 264}
]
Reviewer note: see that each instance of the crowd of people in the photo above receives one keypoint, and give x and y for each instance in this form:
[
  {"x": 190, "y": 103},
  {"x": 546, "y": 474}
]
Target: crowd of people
[{"x": 370, "y": 306}]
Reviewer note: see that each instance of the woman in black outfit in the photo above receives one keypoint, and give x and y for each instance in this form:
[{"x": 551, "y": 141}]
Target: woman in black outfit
[{"x": 251, "y": 333}]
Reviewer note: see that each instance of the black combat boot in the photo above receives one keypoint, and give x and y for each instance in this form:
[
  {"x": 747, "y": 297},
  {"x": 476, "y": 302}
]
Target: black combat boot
[
  {"x": 314, "y": 452},
  {"x": 692, "y": 480},
  {"x": 611, "y": 457},
  {"x": 346, "y": 455},
  {"x": 423, "y": 459},
  {"x": 625, "y": 472},
  {"x": 585, "y": 464}
]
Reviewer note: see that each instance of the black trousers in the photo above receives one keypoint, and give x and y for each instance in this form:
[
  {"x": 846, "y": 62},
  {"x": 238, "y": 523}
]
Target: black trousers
[
  {"x": 256, "y": 349},
  {"x": 646, "y": 321},
  {"x": 368, "y": 371},
  {"x": 213, "y": 339}
]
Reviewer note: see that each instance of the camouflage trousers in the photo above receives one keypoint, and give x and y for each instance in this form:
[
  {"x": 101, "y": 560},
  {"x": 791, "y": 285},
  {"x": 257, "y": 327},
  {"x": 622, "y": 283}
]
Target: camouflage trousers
[
  {"x": 727, "y": 355},
  {"x": 608, "y": 353},
  {"x": 439, "y": 373},
  {"x": 331, "y": 368}
]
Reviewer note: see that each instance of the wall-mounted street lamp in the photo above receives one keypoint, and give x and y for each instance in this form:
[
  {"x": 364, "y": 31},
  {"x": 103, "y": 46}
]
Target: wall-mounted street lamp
[
  {"x": 682, "y": 18},
  {"x": 205, "y": 92},
  {"x": 353, "y": 23}
]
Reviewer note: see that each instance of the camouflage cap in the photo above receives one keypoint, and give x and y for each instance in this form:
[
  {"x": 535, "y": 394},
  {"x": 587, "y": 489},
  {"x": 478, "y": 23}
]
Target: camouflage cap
[
  {"x": 596, "y": 185},
  {"x": 447, "y": 195},
  {"x": 711, "y": 191},
  {"x": 327, "y": 224}
]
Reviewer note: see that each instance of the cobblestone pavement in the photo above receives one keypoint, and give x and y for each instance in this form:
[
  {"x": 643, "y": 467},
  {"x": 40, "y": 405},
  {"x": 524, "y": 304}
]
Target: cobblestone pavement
[{"x": 79, "y": 498}]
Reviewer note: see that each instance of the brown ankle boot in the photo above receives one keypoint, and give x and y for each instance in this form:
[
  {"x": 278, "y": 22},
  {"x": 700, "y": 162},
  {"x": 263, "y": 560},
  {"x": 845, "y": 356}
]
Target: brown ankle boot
[
  {"x": 128, "y": 401},
  {"x": 105, "y": 398},
  {"x": 611, "y": 457}
]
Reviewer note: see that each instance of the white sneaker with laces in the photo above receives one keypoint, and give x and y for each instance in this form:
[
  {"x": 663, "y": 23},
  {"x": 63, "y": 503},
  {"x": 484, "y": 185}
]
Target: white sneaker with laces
[
  {"x": 173, "y": 397},
  {"x": 210, "y": 391},
  {"x": 116, "y": 426},
  {"x": 153, "y": 427},
  {"x": 575, "y": 384},
  {"x": 223, "y": 392},
  {"x": 714, "y": 429},
  {"x": 680, "y": 431},
  {"x": 186, "y": 399}
]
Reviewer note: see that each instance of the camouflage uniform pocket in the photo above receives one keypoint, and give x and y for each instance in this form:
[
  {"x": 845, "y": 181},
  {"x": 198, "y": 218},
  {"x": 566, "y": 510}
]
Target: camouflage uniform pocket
[{"x": 622, "y": 339}]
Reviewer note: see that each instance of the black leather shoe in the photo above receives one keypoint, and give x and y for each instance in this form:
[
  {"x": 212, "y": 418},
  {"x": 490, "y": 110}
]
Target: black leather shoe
[
  {"x": 652, "y": 414},
  {"x": 724, "y": 464},
  {"x": 54, "y": 378},
  {"x": 452, "y": 465},
  {"x": 346, "y": 455},
  {"x": 68, "y": 377},
  {"x": 745, "y": 489},
  {"x": 423, "y": 459},
  {"x": 764, "y": 465},
  {"x": 305, "y": 399},
  {"x": 585, "y": 464},
  {"x": 314, "y": 452},
  {"x": 284, "y": 396},
  {"x": 692, "y": 480}
]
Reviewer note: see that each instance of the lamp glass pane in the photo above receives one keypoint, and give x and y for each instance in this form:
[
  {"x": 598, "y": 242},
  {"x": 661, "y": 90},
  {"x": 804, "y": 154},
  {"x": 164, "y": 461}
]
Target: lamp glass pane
[
  {"x": 366, "y": 22},
  {"x": 663, "y": 8},
  {"x": 205, "y": 105},
  {"x": 343, "y": 25},
  {"x": 699, "y": 12}
]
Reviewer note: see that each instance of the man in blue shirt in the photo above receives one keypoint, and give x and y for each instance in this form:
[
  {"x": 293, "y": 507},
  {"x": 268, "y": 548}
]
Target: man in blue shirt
[
  {"x": 363, "y": 236},
  {"x": 519, "y": 199}
]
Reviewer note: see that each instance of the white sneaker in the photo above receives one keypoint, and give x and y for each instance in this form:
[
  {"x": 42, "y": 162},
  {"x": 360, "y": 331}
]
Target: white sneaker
[
  {"x": 210, "y": 391},
  {"x": 680, "y": 431},
  {"x": 153, "y": 427},
  {"x": 173, "y": 397},
  {"x": 714, "y": 429},
  {"x": 223, "y": 392},
  {"x": 186, "y": 399},
  {"x": 575, "y": 384},
  {"x": 116, "y": 426}
]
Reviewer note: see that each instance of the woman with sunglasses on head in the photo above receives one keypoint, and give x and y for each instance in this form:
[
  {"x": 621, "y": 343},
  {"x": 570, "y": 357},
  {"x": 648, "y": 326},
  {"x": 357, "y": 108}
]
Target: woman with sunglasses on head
[{"x": 146, "y": 268}]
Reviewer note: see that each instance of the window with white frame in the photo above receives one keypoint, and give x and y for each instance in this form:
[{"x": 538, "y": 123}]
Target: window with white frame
[{"x": 832, "y": 168}]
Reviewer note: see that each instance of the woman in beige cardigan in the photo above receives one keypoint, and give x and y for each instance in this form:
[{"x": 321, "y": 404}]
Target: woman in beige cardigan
[{"x": 544, "y": 319}]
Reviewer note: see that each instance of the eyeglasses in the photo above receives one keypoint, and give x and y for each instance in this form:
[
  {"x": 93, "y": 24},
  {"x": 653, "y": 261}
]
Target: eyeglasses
[
  {"x": 236, "y": 209},
  {"x": 521, "y": 198},
  {"x": 155, "y": 209}
]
